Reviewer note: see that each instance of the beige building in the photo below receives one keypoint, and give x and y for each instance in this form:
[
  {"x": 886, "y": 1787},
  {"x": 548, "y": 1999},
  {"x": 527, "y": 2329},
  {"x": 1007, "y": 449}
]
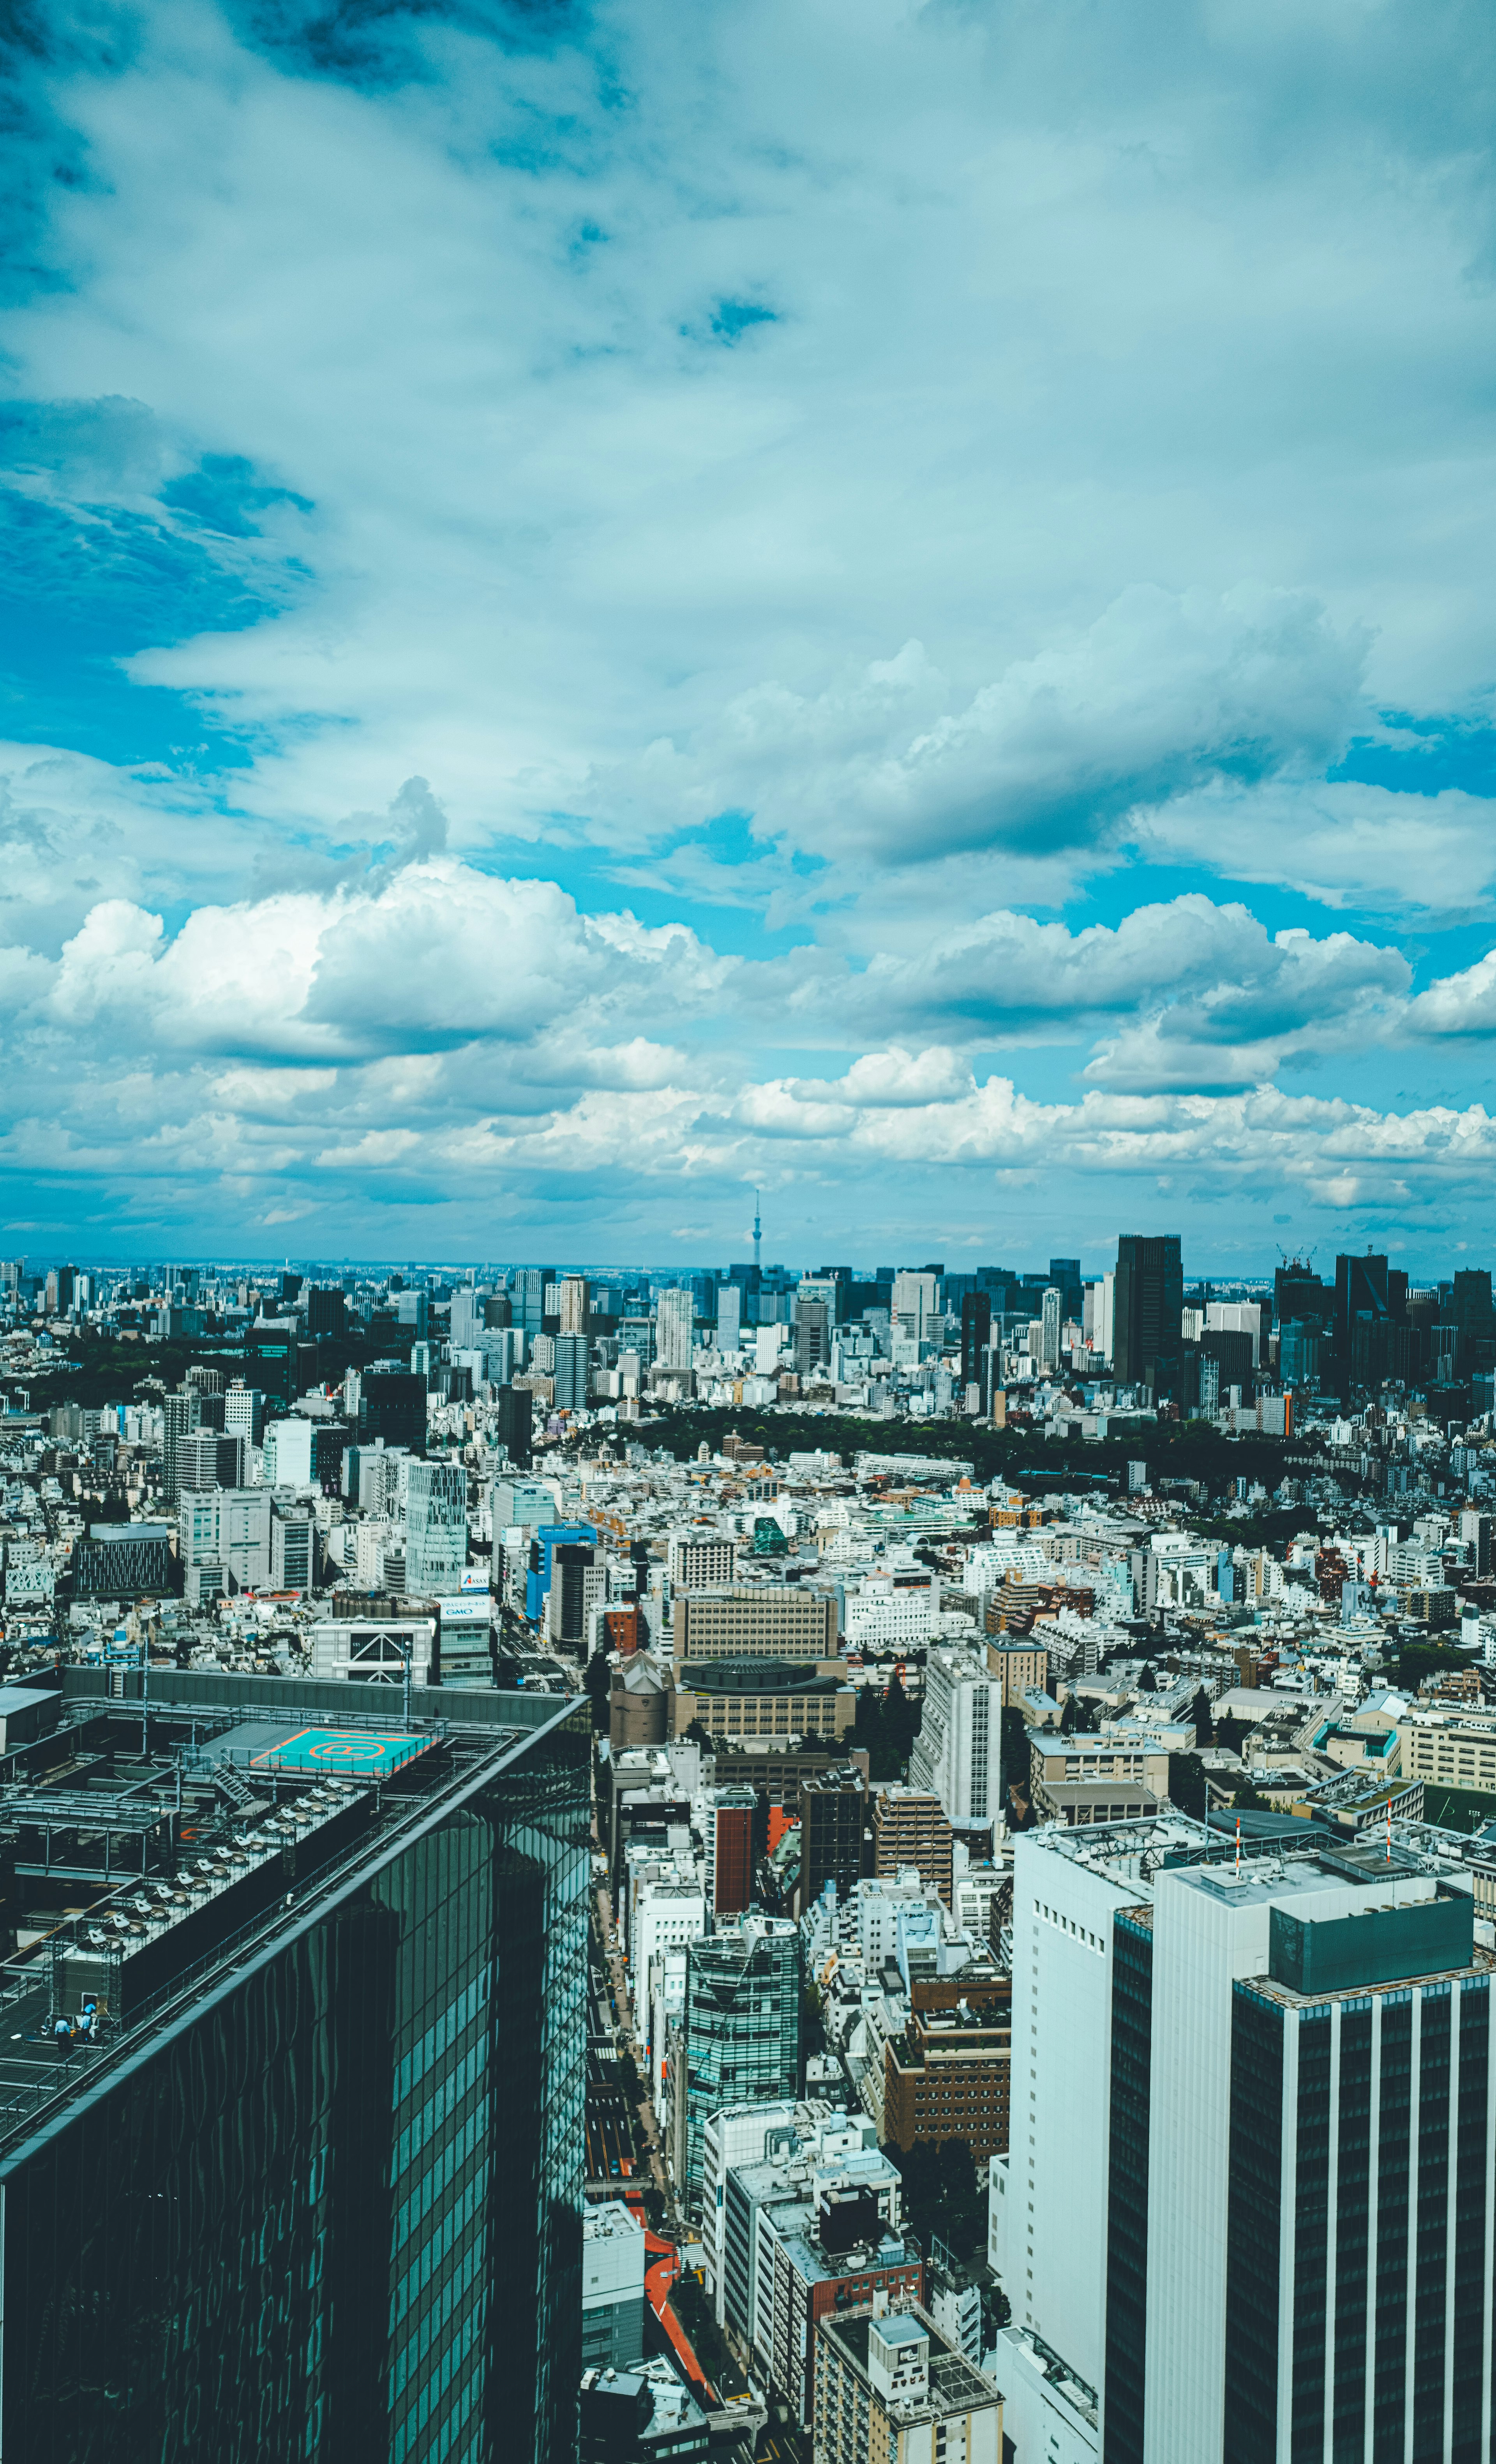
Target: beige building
[
  {"x": 1457, "y": 1752},
  {"x": 1065, "y": 1773},
  {"x": 909, "y": 1828},
  {"x": 1022, "y": 1666},
  {"x": 823, "y": 1707},
  {"x": 891, "y": 2391},
  {"x": 697, "y": 1564},
  {"x": 755, "y": 1621}
]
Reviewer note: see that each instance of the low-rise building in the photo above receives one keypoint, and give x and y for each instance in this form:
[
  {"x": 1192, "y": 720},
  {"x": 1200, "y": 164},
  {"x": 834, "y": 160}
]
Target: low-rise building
[
  {"x": 612, "y": 2286},
  {"x": 949, "y": 2075},
  {"x": 891, "y": 2391}
]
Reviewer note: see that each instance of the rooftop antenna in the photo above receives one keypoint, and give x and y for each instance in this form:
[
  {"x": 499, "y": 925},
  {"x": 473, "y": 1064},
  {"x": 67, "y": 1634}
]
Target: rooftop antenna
[{"x": 757, "y": 1232}]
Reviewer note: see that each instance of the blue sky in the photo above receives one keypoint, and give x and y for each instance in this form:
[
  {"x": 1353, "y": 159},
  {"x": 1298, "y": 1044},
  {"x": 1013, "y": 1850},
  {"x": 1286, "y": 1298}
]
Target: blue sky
[{"x": 602, "y": 608}]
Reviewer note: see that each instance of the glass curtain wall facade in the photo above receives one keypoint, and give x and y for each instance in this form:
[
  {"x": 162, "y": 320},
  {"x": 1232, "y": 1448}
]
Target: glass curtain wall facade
[
  {"x": 436, "y": 1527},
  {"x": 741, "y": 2029},
  {"x": 334, "y": 2208}
]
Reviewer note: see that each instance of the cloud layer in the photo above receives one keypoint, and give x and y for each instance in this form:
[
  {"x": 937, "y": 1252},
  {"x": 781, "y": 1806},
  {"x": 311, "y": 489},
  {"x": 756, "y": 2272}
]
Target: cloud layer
[{"x": 890, "y": 605}]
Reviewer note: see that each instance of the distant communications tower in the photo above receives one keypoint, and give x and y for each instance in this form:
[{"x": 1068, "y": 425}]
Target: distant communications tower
[{"x": 757, "y": 1232}]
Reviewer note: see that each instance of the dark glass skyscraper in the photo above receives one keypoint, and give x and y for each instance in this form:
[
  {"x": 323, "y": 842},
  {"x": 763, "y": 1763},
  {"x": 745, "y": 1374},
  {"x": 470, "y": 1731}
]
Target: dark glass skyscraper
[
  {"x": 1148, "y": 1303},
  {"x": 318, "y": 2193}
]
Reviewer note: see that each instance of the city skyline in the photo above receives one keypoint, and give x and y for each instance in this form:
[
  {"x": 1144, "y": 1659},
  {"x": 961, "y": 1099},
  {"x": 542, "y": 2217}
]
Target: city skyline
[{"x": 598, "y": 622}]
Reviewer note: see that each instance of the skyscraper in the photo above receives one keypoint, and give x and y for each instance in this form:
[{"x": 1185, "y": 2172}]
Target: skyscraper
[
  {"x": 179, "y": 1417},
  {"x": 516, "y": 1408},
  {"x": 1247, "y": 2195},
  {"x": 740, "y": 2029},
  {"x": 1148, "y": 1305},
  {"x": 436, "y": 1527},
  {"x": 729, "y": 1316},
  {"x": 673, "y": 1315},
  {"x": 959, "y": 1749},
  {"x": 812, "y": 1337},
  {"x": 363, "y": 2123},
  {"x": 527, "y": 1296},
  {"x": 570, "y": 1373},
  {"x": 1049, "y": 1328},
  {"x": 916, "y": 1302},
  {"x": 975, "y": 1335}
]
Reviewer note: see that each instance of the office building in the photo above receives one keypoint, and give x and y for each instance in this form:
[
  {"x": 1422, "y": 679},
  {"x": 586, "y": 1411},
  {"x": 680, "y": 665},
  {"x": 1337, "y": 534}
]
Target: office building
[
  {"x": 695, "y": 1565},
  {"x": 124, "y": 1561},
  {"x": 730, "y": 1848},
  {"x": 781, "y": 1622},
  {"x": 578, "y": 1585},
  {"x": 180, "y": 1414},
  {"x": 975, "y": 1336},
  {"x": 949, "y": 2075},
  {"x": 210, "y": 1460},
  {"x": 569, "y": 1369},
  {"x": 288, "y": 1454},
  {"x": 1148, "y": 1305},
  {"x": 436, "y": 1527},
  {"x": 756, "y": 1701},
  {"x": 805, "y": 2223},
  {"x": 392, "y": 1406},
  {"x": 914, "y": 1305},
  {"x": 739, "y": 2030},
  {"x": 326, "y": 1310},
  {"x": 958, "y": 1750},
  {"x": 576, "y": 1305},
  {"x": 911, "y": 1829},
  {"x": 673, "y": 1318},
  {"x": 842, "y": 2255},
  {"x": 1475, "y": 1530},
  {"x": 890, "y": 2390},
  {"x": 1019, "y": 1668},
  {"x": 729, "y": 1316},
  {"x": 833, "y": 1818},
  {"x": 540, "y": 1571},
  {"x": 292, "y": 1549},
  {"x": 364, "y": 2121},
  {"x": 737, "y": 2137},
  {"x": 527, "y": 1287},
  {"x": 223, "y": 1541},
  {"x": 244, "y": 1413},
  {"x": 812, "y": 1338},
  {"x": 515, "y": 1417},
  {"x": 1246, "y": 2205},
  {"x": 467, "y": 1323},
  {"x": 612, "y": 2286},
  {"x": 1049, "y": 1320}
]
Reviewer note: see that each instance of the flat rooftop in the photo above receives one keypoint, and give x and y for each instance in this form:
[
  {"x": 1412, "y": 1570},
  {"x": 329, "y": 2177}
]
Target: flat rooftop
[{"x": 136, "y": 1880}]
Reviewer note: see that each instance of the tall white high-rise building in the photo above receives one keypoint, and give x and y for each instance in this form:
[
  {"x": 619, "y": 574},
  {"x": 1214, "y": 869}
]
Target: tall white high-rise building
[
  {"x": 1244, "y": 2214},
  {"x": 674, "y": 1316},
  {"x": 729, "y": 1316},
  {"x": 289, "y": 1453},
  {"x": 916, "y": 1303},
  {"x": 1096, "y": 1315},
  {"x": 958, "y": 1752},
  {"x": 224, "y": 1541}
]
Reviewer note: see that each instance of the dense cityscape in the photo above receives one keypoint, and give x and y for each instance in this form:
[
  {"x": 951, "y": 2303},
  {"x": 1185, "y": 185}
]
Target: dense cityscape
[{"x": 782, "y": 1675}]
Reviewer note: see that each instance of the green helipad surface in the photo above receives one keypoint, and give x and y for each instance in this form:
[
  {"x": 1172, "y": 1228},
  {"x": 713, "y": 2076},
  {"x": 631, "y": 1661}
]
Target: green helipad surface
[{"x": 354, "y": 1753}]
